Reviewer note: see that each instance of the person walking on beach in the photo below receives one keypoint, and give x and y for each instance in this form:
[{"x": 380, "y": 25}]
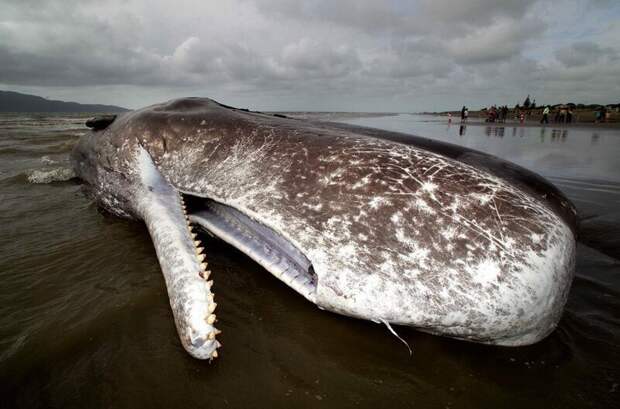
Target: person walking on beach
[
  {"x": 562, "y": 114},
  {"x": 463, "y": 113},
  {"x": 545, "y": 115}
]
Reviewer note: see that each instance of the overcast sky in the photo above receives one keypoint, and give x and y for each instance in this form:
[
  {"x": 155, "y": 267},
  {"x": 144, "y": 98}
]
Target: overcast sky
[{"x": 345, "y": 55}]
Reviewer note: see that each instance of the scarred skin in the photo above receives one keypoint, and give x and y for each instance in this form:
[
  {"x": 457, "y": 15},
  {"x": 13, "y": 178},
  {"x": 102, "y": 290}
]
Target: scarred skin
[{"x": 398, "y": 229}]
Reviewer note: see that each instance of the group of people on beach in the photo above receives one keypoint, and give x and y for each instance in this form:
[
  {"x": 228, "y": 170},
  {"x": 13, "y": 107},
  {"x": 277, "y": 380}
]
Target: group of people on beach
[
  {"x": 562, "y": 115},
  {"x": 497, "y": 114},
  {"x": 545, "y": 114}
]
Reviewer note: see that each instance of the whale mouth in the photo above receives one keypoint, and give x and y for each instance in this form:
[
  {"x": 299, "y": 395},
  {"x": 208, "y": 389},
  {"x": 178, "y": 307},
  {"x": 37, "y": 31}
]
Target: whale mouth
[{"x": 262, "y": 244}]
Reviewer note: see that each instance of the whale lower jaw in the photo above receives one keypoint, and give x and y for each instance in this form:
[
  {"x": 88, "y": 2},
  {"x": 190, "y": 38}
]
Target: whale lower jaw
[{"x": 263, "y": 245}]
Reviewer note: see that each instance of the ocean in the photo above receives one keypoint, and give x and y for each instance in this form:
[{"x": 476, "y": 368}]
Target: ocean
[{"x": 85, "y": 320}]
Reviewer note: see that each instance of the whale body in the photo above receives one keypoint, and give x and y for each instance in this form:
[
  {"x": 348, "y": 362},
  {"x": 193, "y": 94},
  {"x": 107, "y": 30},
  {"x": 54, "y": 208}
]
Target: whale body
[{"x": 366, "y": 223}]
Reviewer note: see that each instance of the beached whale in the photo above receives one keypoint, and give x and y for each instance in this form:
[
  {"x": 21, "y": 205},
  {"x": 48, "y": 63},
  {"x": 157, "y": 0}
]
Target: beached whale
[{"x": 371, "y": 224}]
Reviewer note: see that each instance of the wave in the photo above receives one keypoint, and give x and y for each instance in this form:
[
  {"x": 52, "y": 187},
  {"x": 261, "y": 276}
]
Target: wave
[
  {"x": 60, "y": 174},
  {"x": 48, "y": 161}
]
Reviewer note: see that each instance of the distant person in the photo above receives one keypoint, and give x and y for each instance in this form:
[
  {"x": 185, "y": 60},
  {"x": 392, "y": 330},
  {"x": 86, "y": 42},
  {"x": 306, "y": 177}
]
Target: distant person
[
  {"x": 463, "y": 113},
  {"x": 562, "y": 114},
  {"x": 517, "y": 108},
  {"x": 493, "y": 114},
  {"x": 449, "y": 117},
  {"x": 545, "y": 115},
  {"x": 466, "y": 114}
]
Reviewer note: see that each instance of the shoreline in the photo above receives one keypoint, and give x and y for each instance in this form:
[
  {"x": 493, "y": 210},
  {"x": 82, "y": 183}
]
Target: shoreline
[{"x": 528, "y": 123}]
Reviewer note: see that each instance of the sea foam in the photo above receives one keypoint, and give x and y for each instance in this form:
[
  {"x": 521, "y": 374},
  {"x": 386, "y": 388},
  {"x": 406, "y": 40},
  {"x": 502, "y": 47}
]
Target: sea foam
[{"x": 50, "y": 175}]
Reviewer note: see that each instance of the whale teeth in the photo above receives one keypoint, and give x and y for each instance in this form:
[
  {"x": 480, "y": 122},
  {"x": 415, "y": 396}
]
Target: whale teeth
[
  {"x": 203, "y": 266},
  {"x": 214, "y": 354},
  {"x": 212, "y": 334},
  {"x": 199, "y": 249},
  {"x": 212, "y": 307},
  {"x": 210, "y": 283},
  {"x": 211, "y": 319},
  {"x": 201, "y": 257},
  {"x": 196, "y": 243},
  {"x": 194, "y": 235}
]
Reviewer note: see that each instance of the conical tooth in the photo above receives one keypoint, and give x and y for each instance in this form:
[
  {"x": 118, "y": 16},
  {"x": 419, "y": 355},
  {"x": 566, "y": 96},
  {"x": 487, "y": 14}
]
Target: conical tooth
[
  {"x": 210, "y": 283},
  {"x": 211, "y": 319},
  {"x": 214, "y": 354},
  {"x": 196, "y": 243},
  {"x": 207, "y": 273},
  {"x": 194, "y": 235},
  {"x": 212, "y": 334},
  {"x": 203, "y": 266},
  {"x": 212, "y": 307},
  {"x": 199, "y": 249},
  {"x": 201, "y": 257},
  {"x": 217, "y": 331}
]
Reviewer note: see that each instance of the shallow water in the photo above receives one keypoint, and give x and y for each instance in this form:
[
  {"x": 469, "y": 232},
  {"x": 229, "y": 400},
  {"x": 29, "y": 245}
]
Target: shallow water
[{"x": 85, "y": 320}]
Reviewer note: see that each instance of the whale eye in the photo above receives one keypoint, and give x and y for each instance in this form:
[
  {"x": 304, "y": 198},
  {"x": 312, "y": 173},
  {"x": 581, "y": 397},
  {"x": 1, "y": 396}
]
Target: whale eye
[{"x": 100, "y": 122}]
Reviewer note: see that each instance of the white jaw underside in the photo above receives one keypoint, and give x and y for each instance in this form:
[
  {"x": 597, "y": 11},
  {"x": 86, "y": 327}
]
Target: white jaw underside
[{"x": 261, "y": 244}]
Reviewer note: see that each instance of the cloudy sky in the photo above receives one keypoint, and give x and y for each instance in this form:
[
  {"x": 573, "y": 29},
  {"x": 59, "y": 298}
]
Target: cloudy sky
[{"x": 345, "y": 55}]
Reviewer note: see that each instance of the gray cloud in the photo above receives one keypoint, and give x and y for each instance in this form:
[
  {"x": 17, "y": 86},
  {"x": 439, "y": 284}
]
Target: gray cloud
[
  {"x": 314, "y": 54},
  {"x": 585, "y": 53}
]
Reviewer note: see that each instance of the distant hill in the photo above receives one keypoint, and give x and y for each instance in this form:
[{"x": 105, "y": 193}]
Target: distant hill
[{"x": 16, "y": 102}]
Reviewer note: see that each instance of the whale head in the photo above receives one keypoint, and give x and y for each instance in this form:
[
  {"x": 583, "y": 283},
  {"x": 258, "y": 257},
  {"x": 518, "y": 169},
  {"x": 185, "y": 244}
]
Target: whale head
[{"x": 354, "y": 221}]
